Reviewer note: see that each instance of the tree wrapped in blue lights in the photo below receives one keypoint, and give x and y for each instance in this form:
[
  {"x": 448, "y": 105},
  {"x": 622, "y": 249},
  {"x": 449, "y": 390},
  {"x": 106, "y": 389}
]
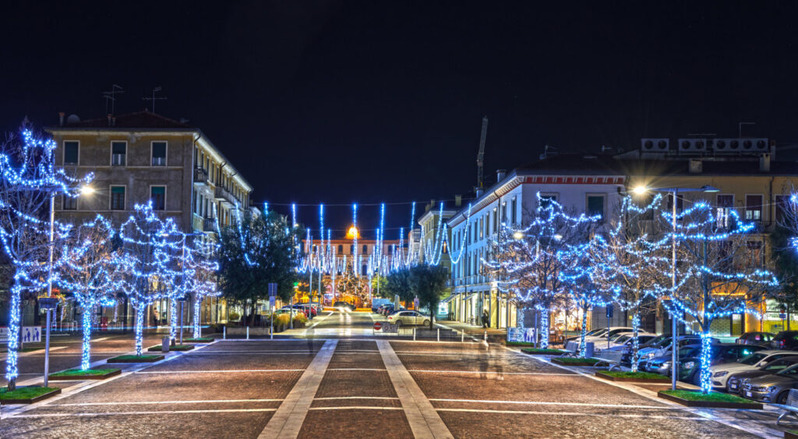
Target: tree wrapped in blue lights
[
  {"x": 148, "y": 246},
  {"x": 718, "y": 271},
  {"x": 88, "y": 270},
  {"x": 630, "y": 259},
  {"x": 200, "y": 277},
  {"x": 29, "y": 183},
  {"x": 527, "y": 262}
]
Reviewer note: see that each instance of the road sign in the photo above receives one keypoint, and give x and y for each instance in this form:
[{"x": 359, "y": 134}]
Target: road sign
[
  {"x": 31, "y": 334},
  {"x": 272, "y": 301},
  {"x": 377, "y": 326},
  {"x": 782, "y": 316},
  {"x": 272, "y": 289},
  {"x": 609, "y": 311},
  {"x": 48, "y": 302}
]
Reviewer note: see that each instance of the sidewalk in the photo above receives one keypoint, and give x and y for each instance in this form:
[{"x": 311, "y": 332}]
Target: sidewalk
[{"x": 494, "y": 335}]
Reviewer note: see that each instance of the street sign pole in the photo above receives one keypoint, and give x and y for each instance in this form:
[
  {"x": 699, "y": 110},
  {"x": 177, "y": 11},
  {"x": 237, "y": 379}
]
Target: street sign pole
[
  {"x": 272, "y": 300},
  {"x": 48, "y": 304}
]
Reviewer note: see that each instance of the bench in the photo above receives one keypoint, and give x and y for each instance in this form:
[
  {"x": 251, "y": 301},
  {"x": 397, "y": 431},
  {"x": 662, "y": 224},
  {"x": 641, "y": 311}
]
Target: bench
[
  {"x": 612, "y": 359},
  {"x": 791, "y": 408}
]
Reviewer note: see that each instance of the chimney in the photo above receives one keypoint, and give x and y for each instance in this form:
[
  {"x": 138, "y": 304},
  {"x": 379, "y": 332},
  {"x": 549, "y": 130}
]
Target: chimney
[
  {"x": 764, "y": 162},
  {"x": 500, "y": 174},
  {"x": 458, "y": 200},
  {"x": 61, "y": 119},
  {"x": 696, "y": 166}
]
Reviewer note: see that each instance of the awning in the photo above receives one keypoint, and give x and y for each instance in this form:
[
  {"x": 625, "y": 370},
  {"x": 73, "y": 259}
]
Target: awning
[{"x": 448, "y": 299}]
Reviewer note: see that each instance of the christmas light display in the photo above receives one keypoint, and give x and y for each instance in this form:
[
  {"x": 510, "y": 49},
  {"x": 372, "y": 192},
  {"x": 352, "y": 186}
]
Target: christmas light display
[
  {"x": 199, "y": 276},
  {"x": 29, "y": 182}
]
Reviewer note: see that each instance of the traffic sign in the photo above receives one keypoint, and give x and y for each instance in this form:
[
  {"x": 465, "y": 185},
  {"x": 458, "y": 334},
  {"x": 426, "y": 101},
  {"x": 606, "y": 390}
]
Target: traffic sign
[
  {"x": 377, "y": 326},
  {"x": 48, "y": 302},
  {"x": 272, "y": 302},
  {"x": 272, "y": 289}
]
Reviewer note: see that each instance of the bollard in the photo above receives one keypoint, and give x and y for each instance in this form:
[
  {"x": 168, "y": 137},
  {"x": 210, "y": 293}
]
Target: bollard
[
  {"x": 247, "y": 332},
  {"x": 414, "y": 334},
  {"x": 224, "y": 332},
  {"x": 485, "y": 336},
  {"x": 462, "y": 336},
  {"x": 439, "y": 334},
  {"x": 165, "y": 345}
]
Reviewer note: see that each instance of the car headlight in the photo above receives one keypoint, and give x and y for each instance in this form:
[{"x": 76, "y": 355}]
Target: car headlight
[
  {"x": 650, "y": 355},
  {"x": 772, "y": 388},
  {"x": 721, "y": 373},
  {"x": 666, "y": 365},
  {"x": 688, "y": 365}
]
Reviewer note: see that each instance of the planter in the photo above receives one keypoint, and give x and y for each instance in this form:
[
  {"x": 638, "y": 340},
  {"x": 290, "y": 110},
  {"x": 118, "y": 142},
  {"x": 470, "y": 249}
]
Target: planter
[
  {"x": 176, "y": 348},
  {"x": 553, "y": 352},
  {"x": 710, "y": 403},
  {"x": 199, "y": 340},
  {"x": 637, "y": 379},
  {"x": 77, "y": 374},
  {"x": 27, "y": 395},
  {"x": 589, "y": 362},
  {"x": 136, "y": 359},
  {"x": 791, "y": 434}
]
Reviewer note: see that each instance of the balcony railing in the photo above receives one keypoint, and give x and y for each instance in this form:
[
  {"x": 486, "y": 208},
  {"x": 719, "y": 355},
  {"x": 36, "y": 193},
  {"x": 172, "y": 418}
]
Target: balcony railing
[
  {"x": 200, "y": 175},
  {"x": 208, "y": 225},
  {"x": 224, "y": 195}
]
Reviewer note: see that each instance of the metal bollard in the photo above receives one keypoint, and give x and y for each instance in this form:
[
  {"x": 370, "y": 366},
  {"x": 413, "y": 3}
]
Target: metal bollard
[
  {"x": 485, "y": 336},
  {"x": 165, "y": 345},
  {"x": 462, "y": 336},
  {"x": 247, "y": 332},
  {"x": 414, "y": 334},
  {"x": 224, "y": 332},
  {"x": 439, "y": 334}
]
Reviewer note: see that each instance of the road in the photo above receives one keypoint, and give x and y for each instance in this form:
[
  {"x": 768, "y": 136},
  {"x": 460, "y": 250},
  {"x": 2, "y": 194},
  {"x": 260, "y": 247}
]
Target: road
[{"x": 341, "y": 383}]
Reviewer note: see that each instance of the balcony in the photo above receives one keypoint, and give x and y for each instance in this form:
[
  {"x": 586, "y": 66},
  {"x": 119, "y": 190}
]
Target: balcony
[
  {"x": 208, "y": 225},
  {"x": 225, "y": 196},
  {"x": 200, "y": 176}
]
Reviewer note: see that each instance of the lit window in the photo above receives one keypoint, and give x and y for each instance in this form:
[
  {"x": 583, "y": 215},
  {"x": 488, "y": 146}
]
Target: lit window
[
  {"x": 158, "y": 153},
  {"x": 118, "y": 153},
  {"x": 753, "y": 207}
]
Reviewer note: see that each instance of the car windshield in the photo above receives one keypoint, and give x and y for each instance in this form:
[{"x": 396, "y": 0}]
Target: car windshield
[
  {"x": 751, "y": 359},
  {"x": 616, "y": 337},
  {"x": 594, "y": 332},
  {"x": 792, "y": 370},
  {"x": 623, "y": 339},
  {"x": 689, "y": 351},
  {"x": 778, "y": 365},
  {"x": 657, "y": 342}
]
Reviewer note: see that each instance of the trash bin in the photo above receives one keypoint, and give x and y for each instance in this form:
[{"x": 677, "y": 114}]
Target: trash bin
[
  {"x": 165, "y": 345},
  {"x": 589, "y": 349}
]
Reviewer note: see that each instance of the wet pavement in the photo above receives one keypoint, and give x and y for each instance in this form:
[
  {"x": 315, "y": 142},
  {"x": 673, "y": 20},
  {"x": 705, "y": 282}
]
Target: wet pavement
[{"x": 241, "y": 388}]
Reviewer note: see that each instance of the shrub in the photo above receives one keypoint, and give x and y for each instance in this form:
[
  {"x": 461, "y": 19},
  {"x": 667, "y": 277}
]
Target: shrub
[{"x": 234, "y": 316}]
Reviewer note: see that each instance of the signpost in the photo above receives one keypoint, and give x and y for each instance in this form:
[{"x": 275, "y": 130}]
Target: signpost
[
  {"x": 377, "y": 326},
  {"x": 272, "y": 300},
  {"x": 609, "y": 316}
]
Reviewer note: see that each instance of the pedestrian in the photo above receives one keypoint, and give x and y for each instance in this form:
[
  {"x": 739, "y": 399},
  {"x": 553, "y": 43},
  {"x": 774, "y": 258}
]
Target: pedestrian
[{"x": 485, "y": 318}]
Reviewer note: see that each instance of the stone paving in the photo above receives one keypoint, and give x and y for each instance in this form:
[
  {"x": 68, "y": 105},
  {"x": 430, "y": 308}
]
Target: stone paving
[{"x": 353, "y": 388}]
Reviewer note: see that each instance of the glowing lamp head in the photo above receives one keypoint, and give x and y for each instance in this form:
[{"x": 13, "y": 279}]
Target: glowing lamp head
[
  {"x": 86, "y": 190},
  {"x": 352, "y": 233},
  {"x": 640, "y": 190},
  {"x": 518, "y": 235}
]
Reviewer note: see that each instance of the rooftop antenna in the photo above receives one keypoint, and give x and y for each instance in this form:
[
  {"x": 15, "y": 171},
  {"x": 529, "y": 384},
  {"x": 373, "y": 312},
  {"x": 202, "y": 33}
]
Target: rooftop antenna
[
  {"x": 110, "y": 97},
  {"x": 153, "y": 98},
  {"x": 481, "y": 155}
]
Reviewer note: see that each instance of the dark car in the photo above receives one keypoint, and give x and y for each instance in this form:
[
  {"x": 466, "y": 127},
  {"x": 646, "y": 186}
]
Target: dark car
[
  {"x": 662, "y": 364},
  {"x": 735, "y": 382},
  {"x": 785, "y": 340},
  {"x": 756, "y": 338},
  {"x": 771, "y": 388},
  {"x": 344, "y": 305},
  {"x": 690, "y": 370}
]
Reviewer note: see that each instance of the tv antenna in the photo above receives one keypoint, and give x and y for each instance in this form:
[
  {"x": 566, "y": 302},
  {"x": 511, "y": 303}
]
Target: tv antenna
[
  {"x": 153, "y": 98},
  {"x": 110, "y": 97}
]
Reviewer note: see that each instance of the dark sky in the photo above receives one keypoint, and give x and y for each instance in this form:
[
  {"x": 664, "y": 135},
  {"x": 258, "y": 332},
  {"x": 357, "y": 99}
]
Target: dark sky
[{"x": 369, "y": 101}]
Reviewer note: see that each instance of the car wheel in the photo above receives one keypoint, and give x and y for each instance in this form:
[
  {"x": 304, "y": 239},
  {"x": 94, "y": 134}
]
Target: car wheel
[
  {"x": 782, "y": 397},
  {"x": 425, "y": 323},
  {"x": 398, "y": 323}
]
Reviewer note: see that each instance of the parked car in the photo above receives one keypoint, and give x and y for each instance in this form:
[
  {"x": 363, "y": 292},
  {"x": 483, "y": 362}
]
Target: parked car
[
  {"x": 605, "y": 335},
  {"x": 756, "y": 338},
  {"x": 623, "y": 342},
  {"x": 662, "y": 364},
  {"x": 307, "y": 309},
  {"x": 772, "y": 388},
  {"x": 690, "y": 365},
  {"x": 591, "y": 333},
  {"x": 722, "y": 372},
  {"x": 407, "y": 318},
  {"x": 663, "y": 347},
  {"x": 626, "y": 356},
  {"x": 736, "y": 381},
  {"x": 785, "y": 340}
]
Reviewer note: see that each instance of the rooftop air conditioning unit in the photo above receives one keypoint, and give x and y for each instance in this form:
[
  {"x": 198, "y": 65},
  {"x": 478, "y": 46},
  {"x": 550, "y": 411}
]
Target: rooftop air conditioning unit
[
  {"x": 654, "y": 145},
  {"x": 693, "y": 146}
]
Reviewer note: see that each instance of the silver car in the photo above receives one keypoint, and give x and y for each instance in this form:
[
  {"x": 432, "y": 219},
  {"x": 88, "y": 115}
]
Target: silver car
[
  {"x": 408, "y": 318},
  {"x": 771, "y": 388}
]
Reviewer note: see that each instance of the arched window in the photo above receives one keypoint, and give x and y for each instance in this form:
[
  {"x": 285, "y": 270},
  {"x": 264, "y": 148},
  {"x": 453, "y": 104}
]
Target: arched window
[
  {"x": 341, "y": 249},
  {"x": 365, "y": 249},
  {"x": 352, "y": 249}
]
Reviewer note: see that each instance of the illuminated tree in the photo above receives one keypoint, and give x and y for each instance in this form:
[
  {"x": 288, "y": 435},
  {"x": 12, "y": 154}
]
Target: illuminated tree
[
  {"x": 352, "y": 284},
  {"x": 29, "y": 183},
  {"x": 200, "y": 276}
]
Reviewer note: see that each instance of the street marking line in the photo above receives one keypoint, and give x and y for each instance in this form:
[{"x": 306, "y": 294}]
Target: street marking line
[
  {"x": 338, "y": 369},
  {"x": 477, "y": 372},
  {"x": 320, "y": 319},
  {"x": 608, "y": 415},
  {"x": 577, "y": 404},
  {"x": 421, "y": 415},
  {"x": 330, "y": 398},
  {"x": 222, "y": 353},
  {"x": 288, "y": 420},
  {"x": 718, "y": 416},
  {"x": 175, "y": 372},
  {"x": 149, "y": 412},
  {"x": 356, "y": 407},
  {"x": 198, "y": 401}
]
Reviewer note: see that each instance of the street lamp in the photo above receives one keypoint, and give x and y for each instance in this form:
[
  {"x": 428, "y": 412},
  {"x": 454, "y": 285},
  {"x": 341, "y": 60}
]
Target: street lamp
[
  {"x": 674, "y": 191},
  {"x": 49, "y": 304}
]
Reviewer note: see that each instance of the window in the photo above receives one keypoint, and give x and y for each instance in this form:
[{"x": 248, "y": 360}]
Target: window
[
  {"x": 756, "y": 255},
  {"x": 70, "y": 203},
  {"x": 679, "y": 203},
  {"x": 595, "y": 205},
  {"x": 117, "y": 198},
  {"x": 340, "y": 249},
  {"x": 158, "y": 197},
  {"x": 158, "y": 153},
  {"x": 118, "y": 153},
  {"x": 71, "y": 152},
  {"x": 365, "y": 249},
  {"x": 513, "y": 211},
  {"x": 545, "y": 201},
  {"x": 725, "y": 206},
  {"x": 753, "y": 207},
  {"x": 352, "y": 249},
  {"x": 782, "y": 208}
]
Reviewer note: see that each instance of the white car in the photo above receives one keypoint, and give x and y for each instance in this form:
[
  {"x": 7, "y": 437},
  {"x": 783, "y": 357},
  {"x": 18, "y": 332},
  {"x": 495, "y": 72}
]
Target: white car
[
  {"x": 720, "y": 373},
  {"x": 603, "y": 336},
  {"x": 621, "y": 339},
  {"x": 408, "y": 318}
]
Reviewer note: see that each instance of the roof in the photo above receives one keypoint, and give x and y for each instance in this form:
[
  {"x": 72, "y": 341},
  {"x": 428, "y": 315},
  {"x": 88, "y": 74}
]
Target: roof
[{"x": 139, "y": 119}]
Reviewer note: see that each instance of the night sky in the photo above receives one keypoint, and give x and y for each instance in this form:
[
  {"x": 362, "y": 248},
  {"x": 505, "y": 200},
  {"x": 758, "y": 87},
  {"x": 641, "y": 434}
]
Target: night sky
[{"x": 333, "y": 101}]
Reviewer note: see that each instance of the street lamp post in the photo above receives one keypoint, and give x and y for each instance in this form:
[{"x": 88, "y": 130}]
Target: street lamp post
[{"x": 674, "y": 191}]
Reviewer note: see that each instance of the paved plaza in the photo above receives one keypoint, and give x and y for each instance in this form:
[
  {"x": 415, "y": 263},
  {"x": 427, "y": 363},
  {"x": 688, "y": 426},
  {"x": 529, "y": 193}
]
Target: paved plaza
[{"x": 345, "y": 382}]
